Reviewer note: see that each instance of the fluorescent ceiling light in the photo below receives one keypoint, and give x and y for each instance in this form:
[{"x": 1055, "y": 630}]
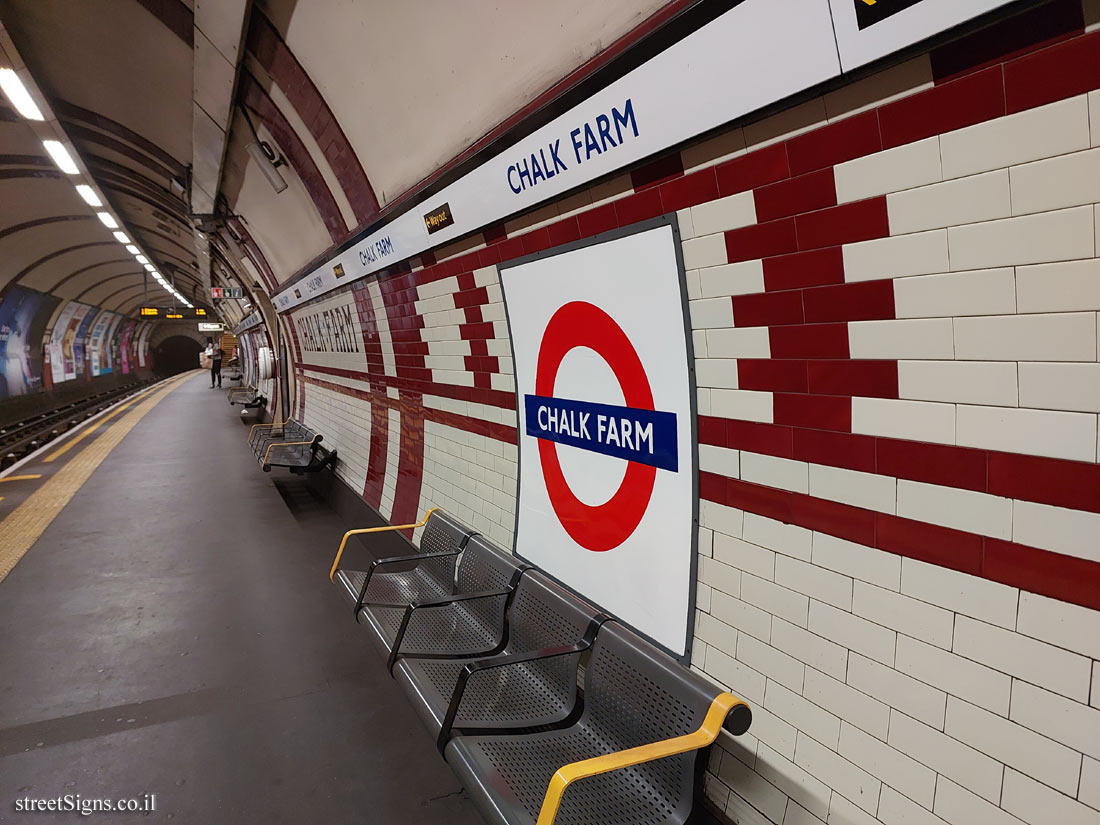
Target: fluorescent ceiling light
[
  {"x": 150, "y": 268},
  {"x": 89, "y": 195},
  {"x": 18, "y": 95},
  {"x": 133, "y": 250},
  {"x": 108, "y": 219},
  {"x": 61, "y": 156},
  {"x": 141, "y": 259},
  {"x": 121, "y": 238}
]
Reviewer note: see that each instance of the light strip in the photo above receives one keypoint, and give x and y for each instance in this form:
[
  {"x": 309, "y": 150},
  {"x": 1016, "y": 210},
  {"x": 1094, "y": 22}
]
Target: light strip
[
  {"x": 108, "y": 219},
  {"x": 18, "y": 95},
  {"x": 61, "y": 157},
  {"x": 141, "y": 259},
  {"x": 121, "y": 238},
  {"x": 150, "y": 268},
  {"x": 89, "y": 195},
  {"x": 133, "y": 250}
]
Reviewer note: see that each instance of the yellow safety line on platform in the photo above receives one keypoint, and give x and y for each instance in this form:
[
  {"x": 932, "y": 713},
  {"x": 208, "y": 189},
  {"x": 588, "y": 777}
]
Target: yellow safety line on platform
[
  {"x": 94, "y": 427},
  {"x": 26, "y": 523},
  {"x": 22, "y": 478}
]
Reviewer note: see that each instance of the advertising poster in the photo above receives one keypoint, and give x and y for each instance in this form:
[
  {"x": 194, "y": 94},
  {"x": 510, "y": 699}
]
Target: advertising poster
[
  {"x": 73, "y": 368},
  {"x": 143, "y": 345},
  {"x": 24, "y": 314},
  {"x": 110, "y": 342},
  {"x": 95, "y": 343},
  {"x": 125, "y": 344},
  {"x": 80, "y": 342},
  {"x": 57, "y": 338}
]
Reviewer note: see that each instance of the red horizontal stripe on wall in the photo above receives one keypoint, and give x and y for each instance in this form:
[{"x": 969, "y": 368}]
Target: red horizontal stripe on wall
[
  {"x": 600, "y": 219},
  {"x": 852, "y": 137},
  {"x": 929, "y": 542},
  {"x": 834, "y": 518},
  {"x": 835, "y": 449},
  {"x": 861, "y": 301},
  {"x": 971, "y": 99},
  {"x": 712, "y": 487},
  {"x": 758, "y": 437},
  {"x": 536, "y": 240},
  {"x": 753, "y": 170},
  {"x": 796, "y": 195},
  {"x": 809, "y": 341},
  {"x": 657, "y": 171},
  {"x": 871, "y": 379},
  {"x": 761, "y": 240},
  {"x": 1050, "y": 574},
  {"x": 690, "y": 190},
  {"x": 639, "y": 207},
  {"x": 1060, "y": 483},
  {"x": 711, "y": 430},
  {"x": 564, "y": 231},
  {"x": 950, "y": 466},
  {"x": 818, "y": 267},
  {"x": 771, "y": 375},
  {"x": 820, "y": 412},
  {"x": 764, "y": 309},
  {"x": 756, "y": 498},
  {"x": 481, "y": 330},
  {"x": 1054, "y": 73},
  {"x": 490, "y": 429},
  {"x": 860, "y": 221}
]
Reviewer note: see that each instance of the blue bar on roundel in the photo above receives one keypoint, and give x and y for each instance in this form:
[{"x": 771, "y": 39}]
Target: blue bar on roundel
[{"x": 644, "y": 436}]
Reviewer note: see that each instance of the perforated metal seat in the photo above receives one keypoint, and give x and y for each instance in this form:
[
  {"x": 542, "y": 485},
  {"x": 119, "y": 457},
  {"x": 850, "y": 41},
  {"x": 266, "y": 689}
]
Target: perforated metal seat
[
  {"x": 532, "y": 681},
  {"x": 633, "y": 695}
]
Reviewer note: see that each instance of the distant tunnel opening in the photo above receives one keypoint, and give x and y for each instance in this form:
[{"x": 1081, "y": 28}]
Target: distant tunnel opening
[{"x": 177, "y": 354}]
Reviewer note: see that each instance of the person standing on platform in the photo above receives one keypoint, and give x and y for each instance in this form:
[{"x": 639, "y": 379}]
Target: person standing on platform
[{"x": 214, "y": 353}]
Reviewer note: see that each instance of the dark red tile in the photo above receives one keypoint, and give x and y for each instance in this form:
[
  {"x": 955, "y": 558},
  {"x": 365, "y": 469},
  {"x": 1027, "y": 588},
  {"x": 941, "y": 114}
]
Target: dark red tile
[
  {"x": 536, "y": 240},
  {"x": 817, "y": 412},
  {"x": 817, "y": 267},
  {"x": 494, "y": 233},
  {"x": 771, "y": 375},
  {"x": 466, "y": 281},
  {"x": 639, "y": 207},
  {"x": 840, "y": 520},
  {"x": 869, "y": 379},
  {"x": 690, "y": 190},
  {"x": 860, "y": 301},
  {"x": 764, "y": 309},
  {"x": 835, "y": 449},
  {"x": 972, "y": 99},
  {"x": 809, "y": 341},
  {"x": 860, "y": 221},
  {"x": 564, "y": 231},
  {"x": 473, "y": 315},
  {"x": 489, "y": 256},
  {"x": 471, "y": 297},
  {"x": 758, "y": 437},
  {"x": 470, "y": 332},
  {"x": 595, "y": 221},
  {"x": 756, "y": 498},
  {"x": 1057, "y": 72},
  {"x": 657, "y": 172},
  {"x": 852, "y": 137},
  {"x": 479, "y": 347},
  {"x": 929, "y": 542},
  {"x": 711, "y": 430},
  {"x": 944, "y": 464},
  {"x": 712, "y": 487},
  {"x": 753, "y": 170},
  {"x": 796, "y": 195},
  {"x": 1066, "y": 578},
  {"x": 1055, "y": 481},
  {"x": 761, "y": 240}
]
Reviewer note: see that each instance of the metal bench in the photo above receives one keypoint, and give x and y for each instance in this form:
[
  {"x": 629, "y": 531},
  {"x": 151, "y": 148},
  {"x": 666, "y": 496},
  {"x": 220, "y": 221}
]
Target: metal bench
[
  {"x": 289, "y": 444},
  {"x": 247, "y": 397},
  {"x": 531, "y": 683},
  {"x": 629, "y": 757}
]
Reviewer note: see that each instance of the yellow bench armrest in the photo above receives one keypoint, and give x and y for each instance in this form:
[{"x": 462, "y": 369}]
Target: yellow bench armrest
[
  {"x": 283, "y": 444},
  {"x": 568, "y": 774},
  {"x": 273, "y": 424},
  {"x": 349, "y": 533}
]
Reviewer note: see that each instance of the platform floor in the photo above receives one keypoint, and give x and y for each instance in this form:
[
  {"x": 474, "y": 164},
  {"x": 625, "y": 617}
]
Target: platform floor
[{"x": 174, "y": 632}]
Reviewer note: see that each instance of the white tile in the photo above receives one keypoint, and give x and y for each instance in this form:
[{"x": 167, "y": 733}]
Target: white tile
[
  {"x": 847, "y": 703},
  {"x": 797, "y": 815},
  {"x": 868, "y": 490},
  {"x": 748, "y": 405},
  {"x": 694, "y": 290},
  {"x": 947, "y": 756},
  {"x": 1060, "y": 287},
  {"x": 915, "y": 420},
  {"x": 779, "y": 601},
  {"x": 913, "y": 164},
  {"x": 1094, "y": 697},
  {"x": 1064, "y": 235},
  {"x": 1056, "y": 386},
  {"x": 891, "y": 766},
  {"x": 907, "y": 338},
  {"x": 782, "y": 473},
  {"x": 1015, "y": 745},
  {"x": 708, "y": 313},
  {"x": 852, "y": 632},
  {"x": 858, "y": 561},
  {"x": 721, "y": 460},
  {"x": 742, "y": 680},
  {"x": 698, "y": 343},
  {"x": 909, "y": 616},
  {"x": 1068, "y": 180},
  {"x": 969, "y": 382},
  {"x": 716, "y": 372},
  {"x": 843, "y": 812},
  {"x": 816, "y": 582},
  {"x": 960, "y": 807},
  {"x": 1041, "y": 132},
  {"x": 719, "y": 576},
  {"x": 1041, "y": 337},
  {"x": 720, "y": 518},
  {"x": 1034, "y": 432},
  {"x": 951, "y": 203},
  {"x": 957, "y": 675},
  {"x": 715, "y": 633},
  {"x": 1073, "y": 532},
  {"x": 855, "y": 784},
  {"x": 773, "y": 663},
  {"x": 807, "y": 717},
  {"x": 1090, "y": 783},
  {"x": 896, "y": 809},
  {"x": 1025, "y": 658},
  {"x": 742, "y": 278},
  {"x": 774, "y": 734},
  {"x": 1075, "y": 725},
  {"x": 684, "y": 224},
  {"x": 706, "y": 250},
  {"x": 745, "y": 556},
  {"x": 1094, "y": 97},
  {"x": 1037, "y": 804},
  {"x": 1060, "y": 623},
  {"x": 748, "y": 784},
  {"x": 810, "y": 648},
  {"x": 721, "y": 215},
  {"x": 911, "y": 696},
  {"x": 896, "y": 257},
  {"x": 739, "y": 614},
  {"x": 949, "y": 294},
  {"x": 964, "y": 510},
  {"x": 750, "y": 342},
  {"x": 788, "y": 539},
  {"x": 810, "y": 792}
]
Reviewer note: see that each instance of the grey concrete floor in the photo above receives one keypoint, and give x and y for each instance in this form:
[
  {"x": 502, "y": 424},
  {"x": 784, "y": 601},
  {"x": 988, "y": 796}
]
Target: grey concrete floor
[{"x": 174, "y": 632}]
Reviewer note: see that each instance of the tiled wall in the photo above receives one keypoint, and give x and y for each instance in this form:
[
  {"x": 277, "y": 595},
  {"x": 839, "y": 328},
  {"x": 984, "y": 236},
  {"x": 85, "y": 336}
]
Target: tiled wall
[{"x": 894, "y": 295}]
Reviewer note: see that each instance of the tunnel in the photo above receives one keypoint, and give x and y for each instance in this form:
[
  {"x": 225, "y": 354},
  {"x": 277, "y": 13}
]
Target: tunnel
[{"x": 175, "y": 354}]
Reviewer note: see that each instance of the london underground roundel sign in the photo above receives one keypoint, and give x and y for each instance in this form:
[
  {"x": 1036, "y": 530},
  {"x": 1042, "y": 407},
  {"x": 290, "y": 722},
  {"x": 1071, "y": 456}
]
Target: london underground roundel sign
[{"x": 606, "y": 492}]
